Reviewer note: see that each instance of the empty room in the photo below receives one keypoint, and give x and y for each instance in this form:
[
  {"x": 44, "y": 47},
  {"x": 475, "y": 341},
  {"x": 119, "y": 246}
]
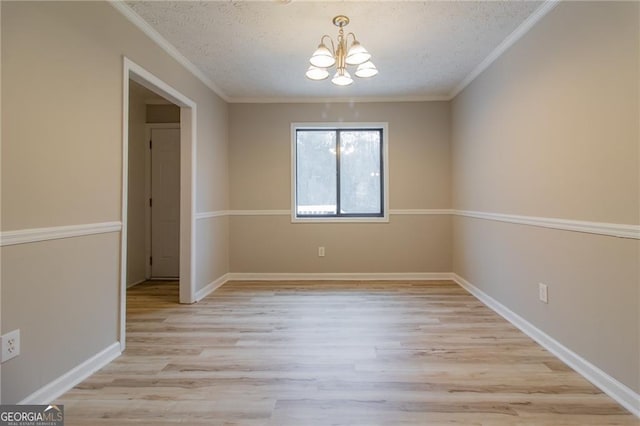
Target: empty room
[{"x": 290, "y": 212}]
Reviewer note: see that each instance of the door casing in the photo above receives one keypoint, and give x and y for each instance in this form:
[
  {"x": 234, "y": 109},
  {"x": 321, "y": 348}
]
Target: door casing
[{"x": 188, "y": 126}]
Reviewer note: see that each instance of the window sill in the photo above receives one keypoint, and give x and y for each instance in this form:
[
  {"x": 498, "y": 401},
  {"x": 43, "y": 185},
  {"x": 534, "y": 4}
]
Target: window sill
[{"x": 384, "y": 219}]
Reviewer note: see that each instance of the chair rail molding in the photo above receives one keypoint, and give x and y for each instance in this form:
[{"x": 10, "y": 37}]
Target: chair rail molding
[
  {"x": 601, "y": 228},
  {"x": 33, "y": 235},
  {"x": 619, "y": 230}
]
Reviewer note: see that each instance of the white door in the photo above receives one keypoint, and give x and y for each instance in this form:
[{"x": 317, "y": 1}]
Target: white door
[{"x": 165, "y": 203}]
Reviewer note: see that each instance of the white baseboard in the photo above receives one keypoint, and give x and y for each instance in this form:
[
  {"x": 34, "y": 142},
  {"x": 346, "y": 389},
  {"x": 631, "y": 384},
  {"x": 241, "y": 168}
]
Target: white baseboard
[
  {"x": 612, "y": 387},
  {"x": 53, "y": 390},
  {"x": 268, "y": 276},
  {"x": 136, "y": 283},
  {"x": 383, "y": 276},
  {"x": 211, "y": 287}
]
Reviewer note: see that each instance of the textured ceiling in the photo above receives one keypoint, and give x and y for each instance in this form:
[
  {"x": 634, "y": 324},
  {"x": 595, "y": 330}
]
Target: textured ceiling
[{"x": 256, "y": 50}]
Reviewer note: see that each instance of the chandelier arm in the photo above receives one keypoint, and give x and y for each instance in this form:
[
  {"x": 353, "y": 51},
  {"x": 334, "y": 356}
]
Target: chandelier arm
[
  {"x": 352, "y": 35},
  {"x": 333, "y": 47}
]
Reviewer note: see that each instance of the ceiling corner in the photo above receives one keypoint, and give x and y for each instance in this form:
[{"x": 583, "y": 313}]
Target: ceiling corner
[{"x": 147, "y": 29}]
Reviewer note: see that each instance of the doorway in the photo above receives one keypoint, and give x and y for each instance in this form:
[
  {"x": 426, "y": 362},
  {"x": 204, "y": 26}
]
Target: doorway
[
  {"x": 153, "y": 213},
  {"x": 184, "y": 215}
]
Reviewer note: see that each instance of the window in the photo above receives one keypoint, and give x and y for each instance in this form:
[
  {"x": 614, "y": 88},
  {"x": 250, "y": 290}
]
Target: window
[{"x": 339, "y": 172}]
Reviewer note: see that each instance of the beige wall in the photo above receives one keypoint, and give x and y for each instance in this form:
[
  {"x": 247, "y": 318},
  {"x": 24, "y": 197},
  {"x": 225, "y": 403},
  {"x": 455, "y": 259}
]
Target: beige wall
[
  {"x": 163, "y": 114},
  {"x": 551, "y": 130},
  {"x": 212, "y": 234},
  {"x": 62, "y": 295},
  {"x": 407, "y": 244},
  {"x": 136, "y": 196},
  {"x": 260, "y": 177},
  {"x": 62, "y": 165}
]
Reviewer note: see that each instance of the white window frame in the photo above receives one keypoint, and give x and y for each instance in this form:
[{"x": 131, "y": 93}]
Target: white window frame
[{"x": 385, "y": 166}]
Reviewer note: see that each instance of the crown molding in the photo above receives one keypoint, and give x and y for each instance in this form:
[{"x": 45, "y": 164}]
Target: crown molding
[
  {"x": 511, "y": 39},
  {"x": 144, "y": 26},
  {"x": 354, "y": 99}
]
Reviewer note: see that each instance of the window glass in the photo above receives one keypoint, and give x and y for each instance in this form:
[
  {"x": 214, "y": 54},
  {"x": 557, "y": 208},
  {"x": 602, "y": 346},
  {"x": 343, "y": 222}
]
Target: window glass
[
  {"x": 360, "y": 172},
  {"x": 339, "y": 173}
]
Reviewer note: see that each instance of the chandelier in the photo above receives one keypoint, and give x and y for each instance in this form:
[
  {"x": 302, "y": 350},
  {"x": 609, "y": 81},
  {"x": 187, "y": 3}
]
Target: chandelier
[{"x": 339, "y": 56}]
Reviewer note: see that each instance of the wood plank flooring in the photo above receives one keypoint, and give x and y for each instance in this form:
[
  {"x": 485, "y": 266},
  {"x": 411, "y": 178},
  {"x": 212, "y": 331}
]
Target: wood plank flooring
[{"x": 331, "y": 353}]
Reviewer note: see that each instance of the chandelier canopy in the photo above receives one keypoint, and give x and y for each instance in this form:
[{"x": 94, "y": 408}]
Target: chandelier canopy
[{"x": 324, "y": 58}]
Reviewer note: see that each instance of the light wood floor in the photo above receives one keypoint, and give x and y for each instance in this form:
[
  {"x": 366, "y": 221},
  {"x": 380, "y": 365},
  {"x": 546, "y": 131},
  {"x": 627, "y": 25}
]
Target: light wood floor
[{"x": 331, "y": 353}]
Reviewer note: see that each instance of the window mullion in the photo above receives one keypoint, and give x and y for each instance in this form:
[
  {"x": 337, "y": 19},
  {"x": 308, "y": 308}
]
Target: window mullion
[{"x": 338, "y": 153}]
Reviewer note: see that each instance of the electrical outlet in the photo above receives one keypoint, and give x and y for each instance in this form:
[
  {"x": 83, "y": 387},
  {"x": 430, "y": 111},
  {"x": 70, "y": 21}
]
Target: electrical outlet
[
  {"x": 543, "y": 293},
  {"x": 320, "y": 251},
  {"x": 10, "y": 345}
]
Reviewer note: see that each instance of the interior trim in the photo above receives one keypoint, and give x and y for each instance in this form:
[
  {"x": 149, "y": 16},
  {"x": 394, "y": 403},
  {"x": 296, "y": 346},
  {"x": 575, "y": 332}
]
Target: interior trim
[
  {"x": 206, "y": 215},
  {"x": 612, "y": 387},
  {"x": 601, "y": 228},
  {"x": 286, "y": 212},
  {"x": 32, "y": 235},
  {"x": 221, "y": 213},
  {"x": 144, "y": 26},
  {"x": 211, "y": 287},
  {"x": 619, "y": 230},
  {"x": 338, "y": 100},
  {"x": 339, "y": 276},
  {"x": 416, "y": 212},
  {"x": 511, "y": 39},
  {"x": 56, "y": 388}
]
